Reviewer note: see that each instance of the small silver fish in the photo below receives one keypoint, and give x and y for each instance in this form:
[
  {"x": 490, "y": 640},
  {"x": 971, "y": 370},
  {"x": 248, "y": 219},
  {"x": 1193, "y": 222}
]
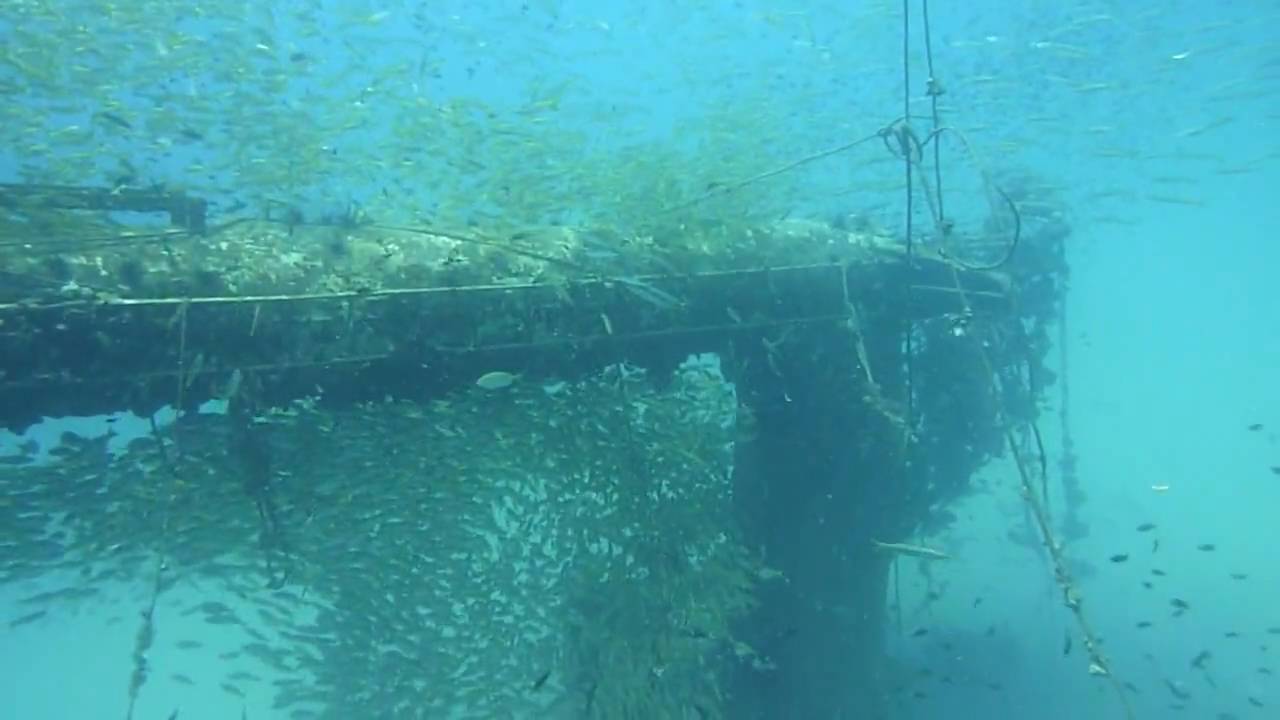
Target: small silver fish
[
  {"x": 913, "y": 550},
  {"x": 496, "y": 380}
]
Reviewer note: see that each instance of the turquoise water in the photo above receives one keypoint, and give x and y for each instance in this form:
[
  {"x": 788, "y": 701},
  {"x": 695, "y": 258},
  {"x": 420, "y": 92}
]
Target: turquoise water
[{"x": 1153, "y": 125}]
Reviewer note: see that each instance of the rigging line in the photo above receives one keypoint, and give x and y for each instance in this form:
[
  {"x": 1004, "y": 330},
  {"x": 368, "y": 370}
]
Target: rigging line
[
  {"x": 1099, "y": 665},
  {"x": 182, "y": 375},
  {"x": 943, "y": 228},
  {"x": 904, "y": 134},
  {"x": 726, "y": 188},
  {"x": 935, "y": 91},
  {"x": 1039, "y": 509},
  {"x": 897, "y": 596},
  {"x": 1064, "y": 409},
  {"x": 1013, "y": 242},
  {"x": 906, "y": 113},
  {"x": 146, "y": 631},
  {"x": 1067, "y": 464}
]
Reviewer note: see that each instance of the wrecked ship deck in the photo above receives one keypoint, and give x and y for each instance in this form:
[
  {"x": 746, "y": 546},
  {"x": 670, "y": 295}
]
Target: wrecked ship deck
[
  {"x": 837, "y": 439},
  {"x": 121, "y": 321}
]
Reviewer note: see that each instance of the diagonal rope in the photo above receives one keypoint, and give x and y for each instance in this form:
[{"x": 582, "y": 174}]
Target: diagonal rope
[{"x": 1098, "y": 664}]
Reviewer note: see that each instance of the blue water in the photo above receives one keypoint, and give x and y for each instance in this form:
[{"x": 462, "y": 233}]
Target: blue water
[{"x": 1157, "y": 124}]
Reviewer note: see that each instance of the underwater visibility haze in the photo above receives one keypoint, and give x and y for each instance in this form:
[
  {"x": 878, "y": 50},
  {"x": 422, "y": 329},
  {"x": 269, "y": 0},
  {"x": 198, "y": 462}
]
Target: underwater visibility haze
[{"x": 562, "y": 360}]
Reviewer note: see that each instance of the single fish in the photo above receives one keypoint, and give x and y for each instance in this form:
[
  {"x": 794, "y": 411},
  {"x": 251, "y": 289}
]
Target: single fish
[
  {"x": 114, "y": 119},
  {"x": 1177, "y": 691},
  {"x": 658, "y": 298},
  {"x": 542, "y": 680},
  {"x": 1200, "y": 659},
  {"x": 28, "y": 618},
  {"x": 913, "y": 550},
  {"x": 496, "y": 380},
  {"x": 208, "y": 608}
]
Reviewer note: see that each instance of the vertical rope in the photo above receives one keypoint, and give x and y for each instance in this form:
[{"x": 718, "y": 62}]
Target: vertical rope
[
  {"x": 935, "y": 91},
  {"x": 147, "y": 631},
  {"x": 907, "y": 159},
  {"x": 1072, "y": 496},
  {"x": 897, "y": 596},
  {"x": 182, "y": 373}
]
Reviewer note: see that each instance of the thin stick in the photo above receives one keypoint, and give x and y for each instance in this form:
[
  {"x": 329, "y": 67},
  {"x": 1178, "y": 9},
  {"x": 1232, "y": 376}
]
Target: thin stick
[
  {"x": 855, "y": 326},
  {"x": 182, "y": 354},
  {"x": 890, "y": 256},
  {"x": 726, "y": 188}
]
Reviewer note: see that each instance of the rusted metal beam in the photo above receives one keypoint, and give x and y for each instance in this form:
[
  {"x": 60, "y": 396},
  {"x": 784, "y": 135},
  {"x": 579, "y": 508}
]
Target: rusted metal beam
[{"x": 184, "y": 211}]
